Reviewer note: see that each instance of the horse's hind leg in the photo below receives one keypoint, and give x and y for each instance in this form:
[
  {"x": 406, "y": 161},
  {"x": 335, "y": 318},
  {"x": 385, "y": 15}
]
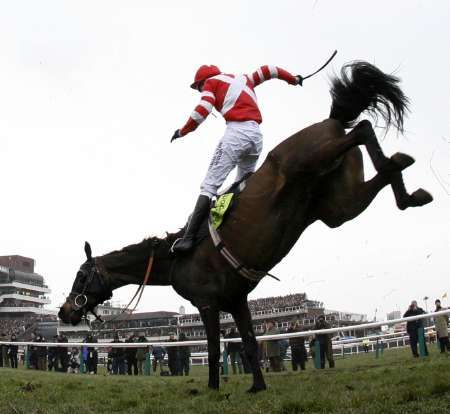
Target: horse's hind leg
[
  {"x": 393, "y": 165},
  {"x": 345, "y": 194}
]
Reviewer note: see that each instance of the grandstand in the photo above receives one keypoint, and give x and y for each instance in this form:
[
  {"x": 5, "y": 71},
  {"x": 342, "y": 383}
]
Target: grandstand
[
  {"x": 23, "y": 294},
  {"x": 281, "y": 309}
]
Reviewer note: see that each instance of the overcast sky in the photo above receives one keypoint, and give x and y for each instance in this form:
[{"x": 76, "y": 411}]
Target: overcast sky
[{"x": 91, "y": 92}]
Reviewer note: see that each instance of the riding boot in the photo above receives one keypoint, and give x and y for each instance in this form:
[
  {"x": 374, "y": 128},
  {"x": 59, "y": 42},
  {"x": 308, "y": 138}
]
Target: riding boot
[{"x": 187, "y": 242}]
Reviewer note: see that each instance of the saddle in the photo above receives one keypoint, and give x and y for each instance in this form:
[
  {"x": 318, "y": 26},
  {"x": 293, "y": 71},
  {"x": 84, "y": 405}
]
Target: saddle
[{"x": 219, "y": 209}]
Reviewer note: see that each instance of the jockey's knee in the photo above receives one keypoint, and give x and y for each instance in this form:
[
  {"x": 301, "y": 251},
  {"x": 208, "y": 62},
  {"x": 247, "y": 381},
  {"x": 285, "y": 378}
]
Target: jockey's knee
[
  {"x": 209, "y": 189},
  {"x": 210, "y": 193}
]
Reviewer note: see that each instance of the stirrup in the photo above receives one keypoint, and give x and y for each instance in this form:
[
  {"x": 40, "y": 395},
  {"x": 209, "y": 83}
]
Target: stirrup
[{"x": 174, "y": 243}]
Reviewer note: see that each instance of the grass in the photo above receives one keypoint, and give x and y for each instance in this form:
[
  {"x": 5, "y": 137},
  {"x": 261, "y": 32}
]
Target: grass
[{"x": 395, "y": 383}]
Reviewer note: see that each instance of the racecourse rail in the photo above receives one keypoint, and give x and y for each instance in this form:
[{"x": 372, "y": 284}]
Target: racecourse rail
[{"x": 227, "y": 340}]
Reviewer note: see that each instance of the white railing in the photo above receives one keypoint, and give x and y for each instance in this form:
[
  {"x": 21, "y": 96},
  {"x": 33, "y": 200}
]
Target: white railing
[{"x": 226, "y": 340}]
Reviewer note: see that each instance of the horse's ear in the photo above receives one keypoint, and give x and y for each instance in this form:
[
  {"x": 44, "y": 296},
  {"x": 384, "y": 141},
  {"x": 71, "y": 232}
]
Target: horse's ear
[{"x": 88, "y": 251}]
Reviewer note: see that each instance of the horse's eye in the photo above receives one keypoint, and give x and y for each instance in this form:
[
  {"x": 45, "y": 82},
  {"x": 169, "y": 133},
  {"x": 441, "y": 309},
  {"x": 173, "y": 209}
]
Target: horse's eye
[{"x": 81, "y": 276}]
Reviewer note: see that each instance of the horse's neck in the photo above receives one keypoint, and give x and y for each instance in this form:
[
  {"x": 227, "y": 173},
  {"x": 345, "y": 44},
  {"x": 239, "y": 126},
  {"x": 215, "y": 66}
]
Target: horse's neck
[{"x": 159, "y": 275}]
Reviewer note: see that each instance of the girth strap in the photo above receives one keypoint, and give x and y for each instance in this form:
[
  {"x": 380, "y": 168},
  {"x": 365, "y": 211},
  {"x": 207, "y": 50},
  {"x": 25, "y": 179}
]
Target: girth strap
[{"x": 250, "y": 274}]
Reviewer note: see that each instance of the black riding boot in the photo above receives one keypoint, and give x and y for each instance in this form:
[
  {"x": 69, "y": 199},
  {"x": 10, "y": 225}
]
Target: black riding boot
[{"x": 200, "y": 211}]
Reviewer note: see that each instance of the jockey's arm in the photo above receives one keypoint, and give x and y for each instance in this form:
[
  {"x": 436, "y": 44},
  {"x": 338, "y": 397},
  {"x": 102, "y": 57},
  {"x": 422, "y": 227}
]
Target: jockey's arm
[
  {"x": 267, "y": 72},
  {"x": 201, "y": 111}
]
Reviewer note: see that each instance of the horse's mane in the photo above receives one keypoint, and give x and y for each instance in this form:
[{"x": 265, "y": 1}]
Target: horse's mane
[{"x": 140, "y": 251}]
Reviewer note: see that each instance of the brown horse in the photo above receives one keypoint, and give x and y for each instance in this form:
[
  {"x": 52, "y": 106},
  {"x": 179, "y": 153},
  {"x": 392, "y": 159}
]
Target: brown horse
[{"x": 316, "y": 174}]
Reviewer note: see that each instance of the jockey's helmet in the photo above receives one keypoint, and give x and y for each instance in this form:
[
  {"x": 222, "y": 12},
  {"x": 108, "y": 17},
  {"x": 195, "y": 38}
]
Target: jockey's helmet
[{"x": 204, "y": 72}]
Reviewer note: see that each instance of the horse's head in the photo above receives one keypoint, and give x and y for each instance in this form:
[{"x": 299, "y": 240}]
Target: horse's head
[{"x": 89, "y": 289}]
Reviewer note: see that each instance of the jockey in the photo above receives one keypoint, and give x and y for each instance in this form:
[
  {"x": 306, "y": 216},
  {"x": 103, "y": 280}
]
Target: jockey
[{"x": 234, "y": 97}]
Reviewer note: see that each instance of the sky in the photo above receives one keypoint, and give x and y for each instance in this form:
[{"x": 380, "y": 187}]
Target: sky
[{"x": 92, "y": 91}]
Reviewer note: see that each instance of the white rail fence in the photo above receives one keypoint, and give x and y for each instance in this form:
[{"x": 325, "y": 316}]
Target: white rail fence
[
  {"x": 227, "y": 340},
  {"x": 341, "y": 348}
]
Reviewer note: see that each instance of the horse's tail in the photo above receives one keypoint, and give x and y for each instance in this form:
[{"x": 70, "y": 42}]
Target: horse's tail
[{"x": 363, "y": 87}]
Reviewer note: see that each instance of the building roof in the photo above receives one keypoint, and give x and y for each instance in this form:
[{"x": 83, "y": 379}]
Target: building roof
[
  {"x": 17, "y": 262},
  {"x": 140, "y": 316}
]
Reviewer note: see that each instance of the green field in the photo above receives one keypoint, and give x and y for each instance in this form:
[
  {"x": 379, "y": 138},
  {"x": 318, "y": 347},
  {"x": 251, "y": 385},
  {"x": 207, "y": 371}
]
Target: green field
[{"x": 395, "y": 383}]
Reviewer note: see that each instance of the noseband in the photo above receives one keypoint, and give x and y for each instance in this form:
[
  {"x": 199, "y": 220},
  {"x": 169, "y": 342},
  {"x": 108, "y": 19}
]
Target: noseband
[{"x": 92, "y": 276}]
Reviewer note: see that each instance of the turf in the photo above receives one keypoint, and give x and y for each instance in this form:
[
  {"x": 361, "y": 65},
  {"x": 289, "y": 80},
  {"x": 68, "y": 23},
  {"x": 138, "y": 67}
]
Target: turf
[{"x": 395, "y": 383}]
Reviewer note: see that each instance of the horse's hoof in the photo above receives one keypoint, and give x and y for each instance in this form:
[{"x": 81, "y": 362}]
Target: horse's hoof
[
  {"x": 420, "y": 197},
  {"x": 254, "y": 389},
  {"x": 402, "y": 161}
]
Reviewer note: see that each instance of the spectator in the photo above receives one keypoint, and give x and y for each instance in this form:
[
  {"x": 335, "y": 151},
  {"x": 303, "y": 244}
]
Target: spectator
[
  {"x": 158, "y": 353},
  {"x": 109, "y": 360},
  {"x": 141, "y": 355},
  {"x": 298, "y": 349},
  {"x": 412, "y": 327},
  {"x": 52, "y": 356},
  {"x": 312, "y": 348},
  {"x": 173, "y": 357},
  {"x": 441, "y": 324},
  {"x": 62, "y": 353},
  {"x": 4, "y": 352},
  {"x": 365, "y": 344},
  {"x": 184, "y": 353},
  {"x": 221, "y": 350},
  {"x": 12, "y": 352},
  {"x": 234, "y": 351},
  {"x": 326, "y": 347},
  {"x": 91, "y": 360},
  {"x": 284, "y": 345},
  {"x": 130, "y": 355},
  {"x": 74, "y": 361},
  {"x": 32, "y": 353},
  {"x": 118, "y": 358},
  {"x": 41, "y": 354},
  {"x": 272, "y": 347}
]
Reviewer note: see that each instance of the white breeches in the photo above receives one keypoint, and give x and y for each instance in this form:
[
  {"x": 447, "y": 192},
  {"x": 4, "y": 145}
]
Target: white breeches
[{"x": 240, "y": 146}]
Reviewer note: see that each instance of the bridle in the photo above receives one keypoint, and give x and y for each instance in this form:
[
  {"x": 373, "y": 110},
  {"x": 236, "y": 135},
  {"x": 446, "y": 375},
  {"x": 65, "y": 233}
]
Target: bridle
[{"x": 80, "y": 299}]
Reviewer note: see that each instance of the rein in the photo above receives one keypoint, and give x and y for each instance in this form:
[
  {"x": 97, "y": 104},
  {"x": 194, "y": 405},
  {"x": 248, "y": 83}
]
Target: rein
[{"x": 138, "y": 294}]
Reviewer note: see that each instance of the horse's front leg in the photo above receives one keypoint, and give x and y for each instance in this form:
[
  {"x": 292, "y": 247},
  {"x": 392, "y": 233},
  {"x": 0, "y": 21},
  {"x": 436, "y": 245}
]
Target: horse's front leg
[
  {"x": 243, "y": 320},
  {"x": 210, "y": 318}
]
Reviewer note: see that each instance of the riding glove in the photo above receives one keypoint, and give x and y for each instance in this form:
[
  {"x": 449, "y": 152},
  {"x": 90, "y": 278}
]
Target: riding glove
[{"x": 176, "y": 135}]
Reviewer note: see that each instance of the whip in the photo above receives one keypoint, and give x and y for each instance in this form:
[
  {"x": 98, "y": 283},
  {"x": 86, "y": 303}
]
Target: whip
[{"x": 322, "y": 67}]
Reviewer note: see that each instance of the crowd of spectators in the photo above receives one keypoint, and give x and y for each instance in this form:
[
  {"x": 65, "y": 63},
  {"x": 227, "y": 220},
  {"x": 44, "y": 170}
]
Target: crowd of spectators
[
  {"x": 18, "y": 325},
  {"x": 415, "y": 328},
  {"x": 132, "y": 360},
  {"x": 136, "y": 360},
  {"x": 277, "y": 302}
]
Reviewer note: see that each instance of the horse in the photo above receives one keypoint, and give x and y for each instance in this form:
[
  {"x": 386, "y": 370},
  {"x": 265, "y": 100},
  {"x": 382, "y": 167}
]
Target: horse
[{"x": 316, "y": 174}]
